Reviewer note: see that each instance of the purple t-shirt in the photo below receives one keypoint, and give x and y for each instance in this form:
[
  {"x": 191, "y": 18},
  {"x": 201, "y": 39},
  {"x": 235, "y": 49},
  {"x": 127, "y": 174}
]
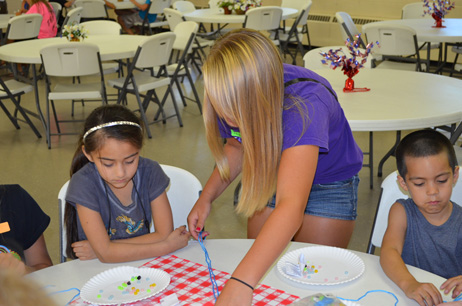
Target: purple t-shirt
[{"x": 321, "y": 122}]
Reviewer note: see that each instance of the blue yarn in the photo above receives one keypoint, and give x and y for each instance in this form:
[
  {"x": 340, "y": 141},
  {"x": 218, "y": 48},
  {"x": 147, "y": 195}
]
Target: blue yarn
[
  {"x": 209, "y": 265},
  {"x": 371, "y": 291},
  {"x": 67, "y": 290}
]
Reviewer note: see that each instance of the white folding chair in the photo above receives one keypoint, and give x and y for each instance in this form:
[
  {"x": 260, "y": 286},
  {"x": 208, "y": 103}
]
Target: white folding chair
[
  {"x": 183, "y": 191},
  {"x": 73, "y": 16},
  {"x": 299, "y": 5},
  {"x": 184, "y": 6},
  {"x": 391, "y": 191},
  {"x": 23, "y": 27},
  {"x": 66, "y": 60},
  {"x": 57, "y": 8},
  {"x": 102, "y": 27},
  {"x": 295, "y": 33},
  {"x": 312, "y": 58},
  {"x": 92, "y": 9},
  {"x": 155, "y": 7},
  {"x": 266, "y": 18},
  {"x": 348, "y": 28},
  {"x": 183, "y": 46},
  {"x": 398, "y": 46},
  {"x": 13, "y": 90},
  {"x": 160, "y": 45}
]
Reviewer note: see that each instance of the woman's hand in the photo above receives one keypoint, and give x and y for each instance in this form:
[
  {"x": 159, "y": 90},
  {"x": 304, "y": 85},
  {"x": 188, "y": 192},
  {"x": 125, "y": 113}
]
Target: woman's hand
[
  {"x": 197, "y": 217},
  {"x": 83, "y": 250},
  {"x": 423, "y": 293},
  {"x": 235, "y": 293},
  {"x": 178, "y": 238},
  {"x": 453, "y": 282},
  {"x": 9, "y": 261}
]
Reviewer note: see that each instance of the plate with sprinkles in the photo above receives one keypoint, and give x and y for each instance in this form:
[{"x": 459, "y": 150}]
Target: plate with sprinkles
[
  {"x": 124, "y": 284},
  {"x": 321, "y": 265}
]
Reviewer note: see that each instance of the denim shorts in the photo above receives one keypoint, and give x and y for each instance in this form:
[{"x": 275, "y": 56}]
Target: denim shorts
[{"x": 337, "y": 200}]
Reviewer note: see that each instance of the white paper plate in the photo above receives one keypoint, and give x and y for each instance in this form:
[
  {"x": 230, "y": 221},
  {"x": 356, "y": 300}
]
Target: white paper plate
[
  {"x": 329, "y": 265},
  {"x": 111, "y": 286}
]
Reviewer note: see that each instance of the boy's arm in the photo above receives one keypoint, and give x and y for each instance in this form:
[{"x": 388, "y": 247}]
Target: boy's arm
[
  {"x": 109, "y": 4},
  {"x": 141, "y": 7},
  {"x": 394, "y": 266}
]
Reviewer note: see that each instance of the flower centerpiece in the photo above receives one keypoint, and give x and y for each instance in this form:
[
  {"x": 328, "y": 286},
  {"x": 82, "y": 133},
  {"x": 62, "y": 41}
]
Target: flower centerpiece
[
  {"x": 74, "y": 32},
  {"x": 438, "y": 9},
  {"x": 241, "y": 6},
  {"x": 227, "y": 6},
  {"x": 350, "y": 65}
]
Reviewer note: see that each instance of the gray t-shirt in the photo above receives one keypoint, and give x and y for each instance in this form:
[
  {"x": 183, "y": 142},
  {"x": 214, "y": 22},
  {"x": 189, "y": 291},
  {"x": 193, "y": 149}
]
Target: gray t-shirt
[
  {"x": 88, "y": 189},
  {"x": 437, "y": 249}
]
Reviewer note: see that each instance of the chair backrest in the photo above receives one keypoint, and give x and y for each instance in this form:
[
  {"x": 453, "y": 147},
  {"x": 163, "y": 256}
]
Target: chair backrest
[
  {"x": 182, "y": 193},
  {"x": 57, "y": 8},
  {"x": 391, "y": 191},
  {"x": 71, "y": 59},
  {"x": 73, "y": 16},
  {"x": 158, "y": 6},
  {"x": 414, "y": 11},
  {"x": 296, "y": 4},
  {"x": 102, "y": 27},
  {"x": 395, "y": 40},
  {"x": 92, "y": 9},
  {"x": 348, "y": 28},
  {"x": 312, "y": 58},
  {"x": 263, "y": 18},
  {"x": 174, "y": 18},
  {"x": 184, "y": 6},
  {"x": 24, "y": 27},
  {"x": 62, "y": 232},
  {"x": 304, "y": 12},
  {"x": 185, "y": 34},
  {"x": 159, "y": 44},
  {"x": 213, "y": 3}
]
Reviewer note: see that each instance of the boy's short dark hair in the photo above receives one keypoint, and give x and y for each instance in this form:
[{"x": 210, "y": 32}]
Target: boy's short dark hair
[{"x": 424, "y": 143}]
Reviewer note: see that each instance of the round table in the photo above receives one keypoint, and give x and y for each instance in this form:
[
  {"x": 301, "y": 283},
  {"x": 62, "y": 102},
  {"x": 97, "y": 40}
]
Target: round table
[
  {"x": 216, "y": 15},
  {"x": 397, "y": 100}
]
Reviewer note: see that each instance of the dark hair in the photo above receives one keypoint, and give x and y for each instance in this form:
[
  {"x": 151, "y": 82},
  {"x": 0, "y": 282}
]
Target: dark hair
[
  {"x": 424, "y": 143},
  {"x": 93, "y": 142}
]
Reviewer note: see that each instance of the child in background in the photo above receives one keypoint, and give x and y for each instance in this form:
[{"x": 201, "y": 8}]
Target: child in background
[
  {"x": 22, "y": 224},
  {"x": 425, "y": 231},
  {"x": 48, "y": 28},
  {"x": 127, "y": 18},
  {"x": 115, "y": 192}
]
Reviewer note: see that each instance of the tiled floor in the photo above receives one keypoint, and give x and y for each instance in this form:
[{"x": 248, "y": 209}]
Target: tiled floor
[{"x": 27, "y": 161}]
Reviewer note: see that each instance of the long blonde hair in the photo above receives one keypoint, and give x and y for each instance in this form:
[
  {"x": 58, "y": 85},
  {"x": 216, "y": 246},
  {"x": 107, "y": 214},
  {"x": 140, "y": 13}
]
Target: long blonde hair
[{"x": 244, "y": 82}]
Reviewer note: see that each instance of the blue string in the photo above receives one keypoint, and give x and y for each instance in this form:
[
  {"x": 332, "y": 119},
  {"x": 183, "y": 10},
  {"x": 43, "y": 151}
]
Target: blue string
[
  {"x": 371, "y": 291},
  {"x": 209, "y": 265},
  {"x": 67, "y": 290}
]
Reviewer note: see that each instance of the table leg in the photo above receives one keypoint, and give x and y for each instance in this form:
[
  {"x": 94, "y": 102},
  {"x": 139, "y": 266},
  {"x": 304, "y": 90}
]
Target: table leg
[{"x": 391, "y": 152}]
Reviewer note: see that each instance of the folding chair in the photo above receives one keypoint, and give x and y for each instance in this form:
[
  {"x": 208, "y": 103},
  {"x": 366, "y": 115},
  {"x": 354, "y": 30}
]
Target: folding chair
[
  {"x": 185, "y": 7},
  {"x": 23, "y": 27},
  {"x": 182, "y": 193},
  {"x": 184, "y": 42},
  {"x": 266, "y": 18},
  {"x": 92, "y": 9},
  {"x": 13, "y": 90},
  {"x": 155, "y": 7},
  {"x": 72, "y": 17},
  {"x": 294, "y": 35},
  {"x": 160, "y": 45},
  {"x": 398, "y": 45},
  {"x": 391, "y": 191},
  {"x": 57, "y": 8},
  {"x": 299, "y": 5},
  {"x": 71, "y": 60},
  {"x": 348, "y": 28}
]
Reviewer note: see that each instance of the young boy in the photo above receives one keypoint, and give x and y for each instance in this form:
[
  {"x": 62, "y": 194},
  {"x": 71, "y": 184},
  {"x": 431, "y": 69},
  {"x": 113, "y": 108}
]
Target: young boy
[{"x": 426, "y": 230}]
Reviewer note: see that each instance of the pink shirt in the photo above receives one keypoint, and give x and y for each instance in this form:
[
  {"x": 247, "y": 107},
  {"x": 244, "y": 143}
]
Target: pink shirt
[{"x": 48, "y": 27}]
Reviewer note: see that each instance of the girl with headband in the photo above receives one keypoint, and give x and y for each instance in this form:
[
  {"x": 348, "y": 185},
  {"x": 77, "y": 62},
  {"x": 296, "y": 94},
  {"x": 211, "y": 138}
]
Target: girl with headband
[
  {"x": 287, "y": 134},
  {"x": 117, "y": 194}
]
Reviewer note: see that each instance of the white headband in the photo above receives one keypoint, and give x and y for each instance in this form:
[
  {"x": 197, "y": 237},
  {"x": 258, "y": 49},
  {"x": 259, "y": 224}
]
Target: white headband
[{"x": 104, "y": 125}]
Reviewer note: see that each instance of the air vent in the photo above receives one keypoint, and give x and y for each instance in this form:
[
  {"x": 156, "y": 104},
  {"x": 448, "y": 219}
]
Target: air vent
[
  {"x": 319, "y": 18},
  {"x": 359, "y": 21}
]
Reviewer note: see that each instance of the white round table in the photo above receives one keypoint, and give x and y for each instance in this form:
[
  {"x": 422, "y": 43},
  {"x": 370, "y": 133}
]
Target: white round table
[
  {"x": 225, "y": 255},
  {"x": 397, "y": 100},
  {"x": 216, "y": 15}
]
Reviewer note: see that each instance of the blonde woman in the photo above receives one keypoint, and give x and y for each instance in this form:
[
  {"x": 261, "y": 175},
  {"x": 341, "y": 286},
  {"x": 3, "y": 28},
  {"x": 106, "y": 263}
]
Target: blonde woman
[{"x": 287, "y": 134}]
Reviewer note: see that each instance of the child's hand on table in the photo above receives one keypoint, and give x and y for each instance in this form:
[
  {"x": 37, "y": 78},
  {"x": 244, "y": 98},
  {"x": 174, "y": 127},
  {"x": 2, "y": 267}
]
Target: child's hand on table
[
  {"x": 423, "y": 293},
  {"x": 178, "y": 238},
  {"x": 9, "y": 261},
  {"x": 453, "y": 283}
]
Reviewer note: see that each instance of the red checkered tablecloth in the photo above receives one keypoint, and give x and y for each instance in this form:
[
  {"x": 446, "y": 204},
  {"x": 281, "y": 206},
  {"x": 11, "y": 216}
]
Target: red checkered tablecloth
[{"x": 191, "y": 283}]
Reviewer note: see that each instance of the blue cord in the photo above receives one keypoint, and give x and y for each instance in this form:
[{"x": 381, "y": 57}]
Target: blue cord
[
  {"x": 209, "y": 265},
  {"x": 352, "y": 300},
  {"x": 67, "y": 290}
]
